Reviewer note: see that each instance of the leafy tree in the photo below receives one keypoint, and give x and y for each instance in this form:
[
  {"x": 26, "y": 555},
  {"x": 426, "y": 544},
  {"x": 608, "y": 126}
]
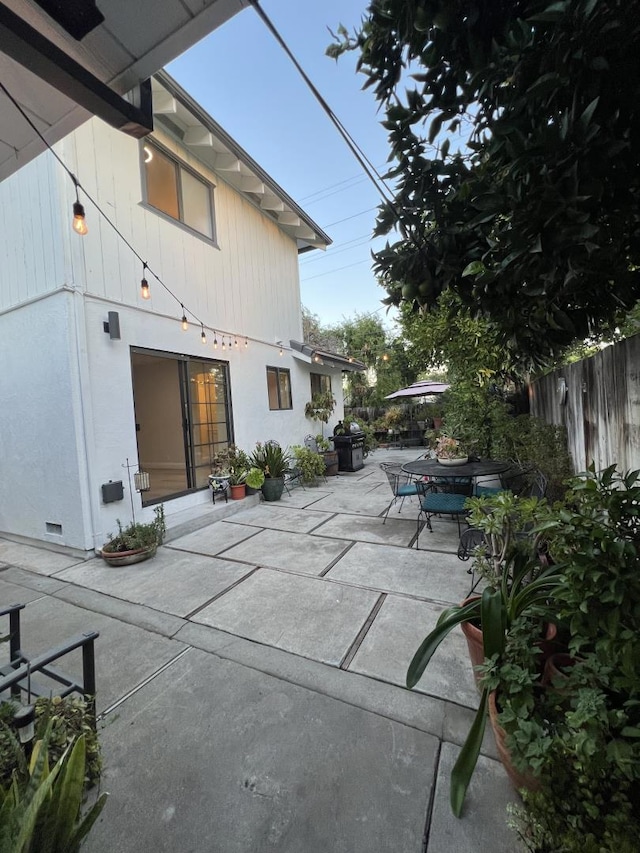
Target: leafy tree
[{"x": 527, "y": 211}]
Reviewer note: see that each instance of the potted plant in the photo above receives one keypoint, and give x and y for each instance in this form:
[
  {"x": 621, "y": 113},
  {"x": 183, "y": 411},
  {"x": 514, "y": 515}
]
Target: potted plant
[
  {"x": 135, "y": 543},
  {"x": 320, "y": 408},
  {"x": 273, "y": 461},
  {"x": 450, "y": 451},
  {"x": 329, "y": 455},
  {"x": 519, "y": 584},
  {"x": 581, "y": 733},
  {"x": 310, "y": 464},
  {"x": 254, "y": 480},
  {"x": 237, "y": 477}
]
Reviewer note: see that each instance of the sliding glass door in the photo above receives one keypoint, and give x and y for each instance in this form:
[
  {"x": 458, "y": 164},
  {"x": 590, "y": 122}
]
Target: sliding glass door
[{"x": 183, "y": 418}]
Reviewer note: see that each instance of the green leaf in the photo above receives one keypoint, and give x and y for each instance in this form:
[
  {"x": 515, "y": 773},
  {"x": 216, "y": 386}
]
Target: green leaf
[
  {"x": 468, "y": 758},
  {"x": 474, "y": 268}
]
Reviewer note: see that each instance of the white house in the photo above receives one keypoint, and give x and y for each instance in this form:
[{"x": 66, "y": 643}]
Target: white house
[{"x": 94, "y": 374}]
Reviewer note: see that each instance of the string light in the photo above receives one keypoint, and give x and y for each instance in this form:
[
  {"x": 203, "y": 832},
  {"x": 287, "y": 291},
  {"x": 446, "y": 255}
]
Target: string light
[
  {"x": 385, "y": 357},
  {"x": 79, "y": 225},
  {"x": 281, "y": 349},
  {"x": 144, "y": 284}
]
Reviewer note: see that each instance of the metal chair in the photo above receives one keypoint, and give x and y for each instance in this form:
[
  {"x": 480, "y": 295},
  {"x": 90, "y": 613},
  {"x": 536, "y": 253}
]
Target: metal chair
[
  {"x": 401, "y": 485},
  {"x": 448, "y": 497}
]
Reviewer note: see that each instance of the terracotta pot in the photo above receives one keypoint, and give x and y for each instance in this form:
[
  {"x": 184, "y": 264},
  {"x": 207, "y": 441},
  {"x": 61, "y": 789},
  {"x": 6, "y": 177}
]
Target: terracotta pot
[
  {"x": 128, "y": 558},
  {"x": 519, "y": 779},
  {"x": 555, "y": 669},
  {"x": 238, "y": 492},
  {"x": 473, "y": 636}
]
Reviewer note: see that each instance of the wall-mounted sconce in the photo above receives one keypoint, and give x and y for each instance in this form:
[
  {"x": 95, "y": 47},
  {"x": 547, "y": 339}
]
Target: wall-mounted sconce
[{"x": 112, "y": 325}]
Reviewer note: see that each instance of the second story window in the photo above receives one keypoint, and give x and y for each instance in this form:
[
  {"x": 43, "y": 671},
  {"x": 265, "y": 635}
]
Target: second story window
[
  {"x": 178, "y": 192},
  {"x": 279, "y": 388}
]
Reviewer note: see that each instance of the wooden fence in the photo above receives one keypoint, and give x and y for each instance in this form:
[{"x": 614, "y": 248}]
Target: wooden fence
[{"x": 598, "y": 400}]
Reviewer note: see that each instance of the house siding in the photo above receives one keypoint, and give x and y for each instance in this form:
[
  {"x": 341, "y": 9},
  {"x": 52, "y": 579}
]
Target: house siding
[{"x": 69, "y": 411}]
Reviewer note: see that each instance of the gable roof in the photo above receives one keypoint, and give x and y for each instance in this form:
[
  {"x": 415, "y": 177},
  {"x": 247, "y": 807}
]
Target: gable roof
[{"x": 184, "y": 119}]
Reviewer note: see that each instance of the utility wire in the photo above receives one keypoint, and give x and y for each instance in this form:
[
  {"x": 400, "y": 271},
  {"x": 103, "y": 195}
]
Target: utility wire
[
  {"x": 329, "y": 272},
  {"x": 331, "y": 254},
  {"x": 370, "y": 170}
]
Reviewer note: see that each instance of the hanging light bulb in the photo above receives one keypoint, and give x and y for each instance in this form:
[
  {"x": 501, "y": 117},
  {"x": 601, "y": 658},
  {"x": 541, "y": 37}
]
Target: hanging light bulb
[
  {"x": 215, "y": 341},
  {"x": 246, "y": 343},
  {"x": 280, "y": 349},
  {"x": 203, "y": 336},
  {"x": 144, "y": 284},
  {"x": 185, "y": 322},
  {"x": 223, "y": 345},
  {"x": 235, "y": 343},
  {"x": 79, "y": 225},
  {"x": 385, "y": 357}
]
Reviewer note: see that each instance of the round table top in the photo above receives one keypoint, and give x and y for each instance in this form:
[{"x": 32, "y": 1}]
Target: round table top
[{"x": 433, "y": 468}]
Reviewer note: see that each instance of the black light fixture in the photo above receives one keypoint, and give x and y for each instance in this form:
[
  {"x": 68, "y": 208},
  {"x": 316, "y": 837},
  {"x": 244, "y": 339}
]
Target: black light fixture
[
  {"x": 215, "y": 341},
  {"x": 79, "y": 225},
  {"x": 144, "y": 284},
  {"x": 235, "y": 343},
  {"x": 223, "y": 346},
  {"x": 246, "y": 343},
  {"x": 184, "y": 321},
  {"x": 202, "y": 335}
]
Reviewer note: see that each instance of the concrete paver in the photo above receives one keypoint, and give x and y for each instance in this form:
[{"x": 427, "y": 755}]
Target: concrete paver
[
  {"x": 174, "y": 581},
  {"x": 254, "y": 763},
  {"x": 281, "y": 517},
  {"x": 231, "y": 725},
  {"x": 303, "y": 615},
  {"x": 365, "y": 529},
  {"x": 399, "y": 628},
  {"x": 213, "y": 539},
  {"x": 280, "y": 549},
  {"x": 436, "y": 576}
]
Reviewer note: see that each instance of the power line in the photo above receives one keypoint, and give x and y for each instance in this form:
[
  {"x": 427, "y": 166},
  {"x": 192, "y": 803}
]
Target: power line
[
  {"x": 369, "y": 169},
  {"x": 320, "y": 274},
  {"x": 326, "y": 255},
  {"x": 311, "y": 198},
  {"x": 347, "y": 218}
]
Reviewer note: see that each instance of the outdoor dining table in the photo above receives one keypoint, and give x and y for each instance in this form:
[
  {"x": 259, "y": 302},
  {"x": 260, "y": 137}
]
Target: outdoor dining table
[{"x": 434, "y": 468}]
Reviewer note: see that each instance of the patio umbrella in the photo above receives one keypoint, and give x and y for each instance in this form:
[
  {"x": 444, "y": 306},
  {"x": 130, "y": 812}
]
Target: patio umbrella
[{"x": 419, "y": 389}]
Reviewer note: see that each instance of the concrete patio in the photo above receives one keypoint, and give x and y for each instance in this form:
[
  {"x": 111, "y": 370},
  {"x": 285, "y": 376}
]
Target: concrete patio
[{"x": 251, "y": 678}]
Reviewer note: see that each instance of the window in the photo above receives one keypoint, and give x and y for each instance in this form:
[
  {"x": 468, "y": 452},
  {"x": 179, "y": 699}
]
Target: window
[
  {"x": 178, "y": 192},
  {"x": 320, "y": 383},
  {"x": 279, "y": 388}
]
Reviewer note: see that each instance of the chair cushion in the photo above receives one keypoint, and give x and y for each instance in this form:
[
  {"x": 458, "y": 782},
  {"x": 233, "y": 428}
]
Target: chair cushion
[
  {"x": 488, "y": 491},
  {"x": 406, "y": 490},
  {"x": 443, "y": 502}
]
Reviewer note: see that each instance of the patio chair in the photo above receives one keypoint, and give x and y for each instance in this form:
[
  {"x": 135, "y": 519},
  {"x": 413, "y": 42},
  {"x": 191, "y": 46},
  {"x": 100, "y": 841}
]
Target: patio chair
[
  {"x": 448, "y": 497},
  {"x": 401, "y": 485},
  {"x": 514, "y": 479}
]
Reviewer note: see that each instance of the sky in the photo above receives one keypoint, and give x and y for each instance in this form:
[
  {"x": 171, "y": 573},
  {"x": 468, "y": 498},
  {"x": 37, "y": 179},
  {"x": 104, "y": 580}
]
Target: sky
[{"x": 245, "y": 81}]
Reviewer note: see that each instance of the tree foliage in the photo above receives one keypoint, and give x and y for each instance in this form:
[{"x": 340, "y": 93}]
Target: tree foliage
[{"x": 527, "y": 211}]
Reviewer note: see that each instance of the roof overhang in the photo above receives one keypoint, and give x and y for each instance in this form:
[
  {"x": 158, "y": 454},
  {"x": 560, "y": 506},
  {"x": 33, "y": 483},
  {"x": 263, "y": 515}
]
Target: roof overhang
[
  {"x": 318, "y": 357},
  {"x": 179, "y": 115},
  {"x": 62, "y": 73}
]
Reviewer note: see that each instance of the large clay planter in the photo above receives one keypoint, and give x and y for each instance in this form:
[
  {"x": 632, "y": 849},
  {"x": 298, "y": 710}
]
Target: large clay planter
[
  {"x": 272, "y": 488},
  {"x": 520, "y": 780},
  {"x": 128, "y": 558},
  {"x": 238, "y": 492}
]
